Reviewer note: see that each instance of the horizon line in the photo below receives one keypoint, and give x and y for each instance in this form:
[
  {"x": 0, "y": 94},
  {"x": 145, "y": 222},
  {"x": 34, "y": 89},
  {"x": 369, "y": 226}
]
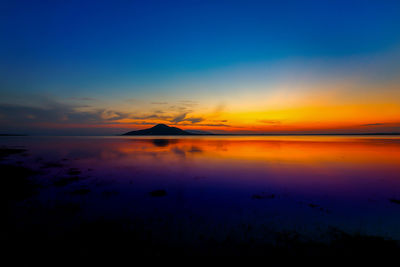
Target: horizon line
[{"x": 216, "y": 134}]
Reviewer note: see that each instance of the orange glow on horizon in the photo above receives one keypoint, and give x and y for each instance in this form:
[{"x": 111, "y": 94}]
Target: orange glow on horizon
[{"x": 341, "y": 107}]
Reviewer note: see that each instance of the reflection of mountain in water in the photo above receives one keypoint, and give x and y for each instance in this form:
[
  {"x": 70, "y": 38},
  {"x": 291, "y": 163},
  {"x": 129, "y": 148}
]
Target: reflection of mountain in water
[
  {"x": 162, "y": 142},
  {"x": 179, "y": 150}
]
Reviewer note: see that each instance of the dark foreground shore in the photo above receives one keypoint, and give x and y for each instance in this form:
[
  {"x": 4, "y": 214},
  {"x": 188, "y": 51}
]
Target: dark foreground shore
[{"x": 56, "y": 231}]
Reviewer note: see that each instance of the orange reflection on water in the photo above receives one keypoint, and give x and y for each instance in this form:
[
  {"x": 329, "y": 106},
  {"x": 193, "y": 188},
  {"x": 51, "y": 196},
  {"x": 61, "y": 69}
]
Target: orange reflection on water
[{"x": 295, "y": 150}]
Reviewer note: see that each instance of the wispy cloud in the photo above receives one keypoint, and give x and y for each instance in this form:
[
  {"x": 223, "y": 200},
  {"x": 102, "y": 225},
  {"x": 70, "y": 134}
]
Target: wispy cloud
[
  {"x": 195, "y": 119},
  {"x": 47, "y": 113},
  {"x": 83, "y": 98},
  {"x": 382, "y": 124},
  {"x": 179, "y": 118},
  {"x": 272, "y": 122},
  {"x": 207, "y": 124},
  {"x": 374, "y": 124},
  {"x": 188, "y": 103},
  {"x": 56, "y": 112}
]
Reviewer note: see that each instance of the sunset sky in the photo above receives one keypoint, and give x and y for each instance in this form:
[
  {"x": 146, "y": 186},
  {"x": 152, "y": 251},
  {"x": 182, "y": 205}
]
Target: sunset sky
[{"x": 106, "y": 67}]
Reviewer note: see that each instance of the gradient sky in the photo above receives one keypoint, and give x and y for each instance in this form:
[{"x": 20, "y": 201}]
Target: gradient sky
[{"x": 105, "y": 67}]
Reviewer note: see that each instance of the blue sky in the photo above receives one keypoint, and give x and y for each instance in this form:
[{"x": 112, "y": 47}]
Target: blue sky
[{"x": 58, "y": 51}]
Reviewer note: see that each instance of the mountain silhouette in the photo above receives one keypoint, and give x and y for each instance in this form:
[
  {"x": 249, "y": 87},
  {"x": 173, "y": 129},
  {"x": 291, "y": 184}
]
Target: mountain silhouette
[{"x": 160, "y": 129}]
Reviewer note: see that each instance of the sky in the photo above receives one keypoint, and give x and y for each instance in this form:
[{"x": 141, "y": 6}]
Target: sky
[{"x": 107, "y": 67}]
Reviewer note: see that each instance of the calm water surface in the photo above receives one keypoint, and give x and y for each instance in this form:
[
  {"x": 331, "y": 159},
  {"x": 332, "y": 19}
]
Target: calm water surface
[{"x": 221, "y": 185}]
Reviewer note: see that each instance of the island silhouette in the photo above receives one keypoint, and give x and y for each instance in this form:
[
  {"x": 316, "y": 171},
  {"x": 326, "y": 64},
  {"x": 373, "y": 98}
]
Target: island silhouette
[
  {"x": 163, "y": 129},
  {"x": 160, "y": 129}
]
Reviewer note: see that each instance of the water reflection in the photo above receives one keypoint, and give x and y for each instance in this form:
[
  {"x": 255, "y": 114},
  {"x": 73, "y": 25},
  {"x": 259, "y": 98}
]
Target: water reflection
[
  {"x": 345, "y": 182},
  {"x": 335, "y": 151},
  {"x": 162, "y": 142}
]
